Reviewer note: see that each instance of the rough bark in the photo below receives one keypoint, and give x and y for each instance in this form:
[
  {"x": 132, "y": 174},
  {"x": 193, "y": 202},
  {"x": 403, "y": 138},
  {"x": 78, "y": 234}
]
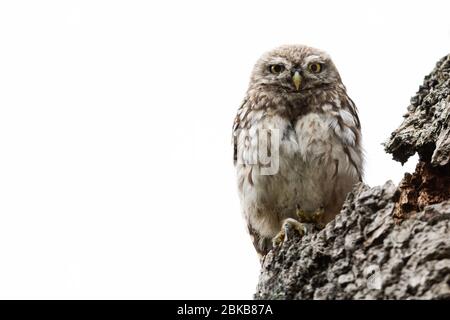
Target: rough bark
[
  {"x": 426, "y": 128},
  {"x": 388, "y": 242}
]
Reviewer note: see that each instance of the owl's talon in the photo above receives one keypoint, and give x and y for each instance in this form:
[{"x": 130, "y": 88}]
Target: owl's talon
[
  {"x": 289, "y": 228},
  {"x": 302, "y": 215},
  {"x": 316, "y": 217},
  {"x": 279, "y": 238}
]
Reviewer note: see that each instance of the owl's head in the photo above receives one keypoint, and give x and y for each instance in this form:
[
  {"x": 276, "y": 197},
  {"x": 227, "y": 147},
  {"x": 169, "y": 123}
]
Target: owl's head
[{"x": 294, "y": 69}]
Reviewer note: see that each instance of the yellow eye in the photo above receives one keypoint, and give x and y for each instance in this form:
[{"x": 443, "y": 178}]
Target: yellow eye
[
  {"x": 276, "y": 68},
  {"x": 315, "y": 67}
]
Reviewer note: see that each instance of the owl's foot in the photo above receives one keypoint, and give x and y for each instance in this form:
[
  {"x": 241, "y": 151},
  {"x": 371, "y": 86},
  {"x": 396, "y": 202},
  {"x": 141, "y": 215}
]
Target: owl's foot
[
  {"x": 316, "y": 217},
  {"x": 289, "y": 228}
]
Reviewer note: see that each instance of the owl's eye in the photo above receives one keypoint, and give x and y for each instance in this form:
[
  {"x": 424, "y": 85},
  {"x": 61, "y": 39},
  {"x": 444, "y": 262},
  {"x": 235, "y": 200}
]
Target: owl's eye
[
  {"x": 315, "y": 67},
  {"x": 276, "y": 68}
]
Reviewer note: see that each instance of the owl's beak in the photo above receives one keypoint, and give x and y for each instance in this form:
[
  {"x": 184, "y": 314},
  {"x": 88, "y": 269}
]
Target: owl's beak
[{"x": 297, "y": 80}]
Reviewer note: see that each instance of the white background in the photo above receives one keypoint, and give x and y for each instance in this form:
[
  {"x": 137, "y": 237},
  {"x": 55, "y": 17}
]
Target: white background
[{"x": 116, "y": 175}]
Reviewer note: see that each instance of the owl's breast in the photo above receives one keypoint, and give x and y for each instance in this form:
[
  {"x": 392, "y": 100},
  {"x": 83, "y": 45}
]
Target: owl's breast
[
  {"x": 315, "y": 139},
  {"x": 311, "y": 160}
]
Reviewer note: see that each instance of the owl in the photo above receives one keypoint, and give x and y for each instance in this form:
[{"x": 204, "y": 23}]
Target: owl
[{"x": 297, "y": 145}]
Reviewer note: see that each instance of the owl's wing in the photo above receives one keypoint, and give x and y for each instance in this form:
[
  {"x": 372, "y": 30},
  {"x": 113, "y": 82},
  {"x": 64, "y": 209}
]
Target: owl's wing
[
  {"x": 354, "y": 111},
  {"x": 261, "y": 244},
  {"x": 349, "y": 130},
  {"x": 239, "y": 124}
]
